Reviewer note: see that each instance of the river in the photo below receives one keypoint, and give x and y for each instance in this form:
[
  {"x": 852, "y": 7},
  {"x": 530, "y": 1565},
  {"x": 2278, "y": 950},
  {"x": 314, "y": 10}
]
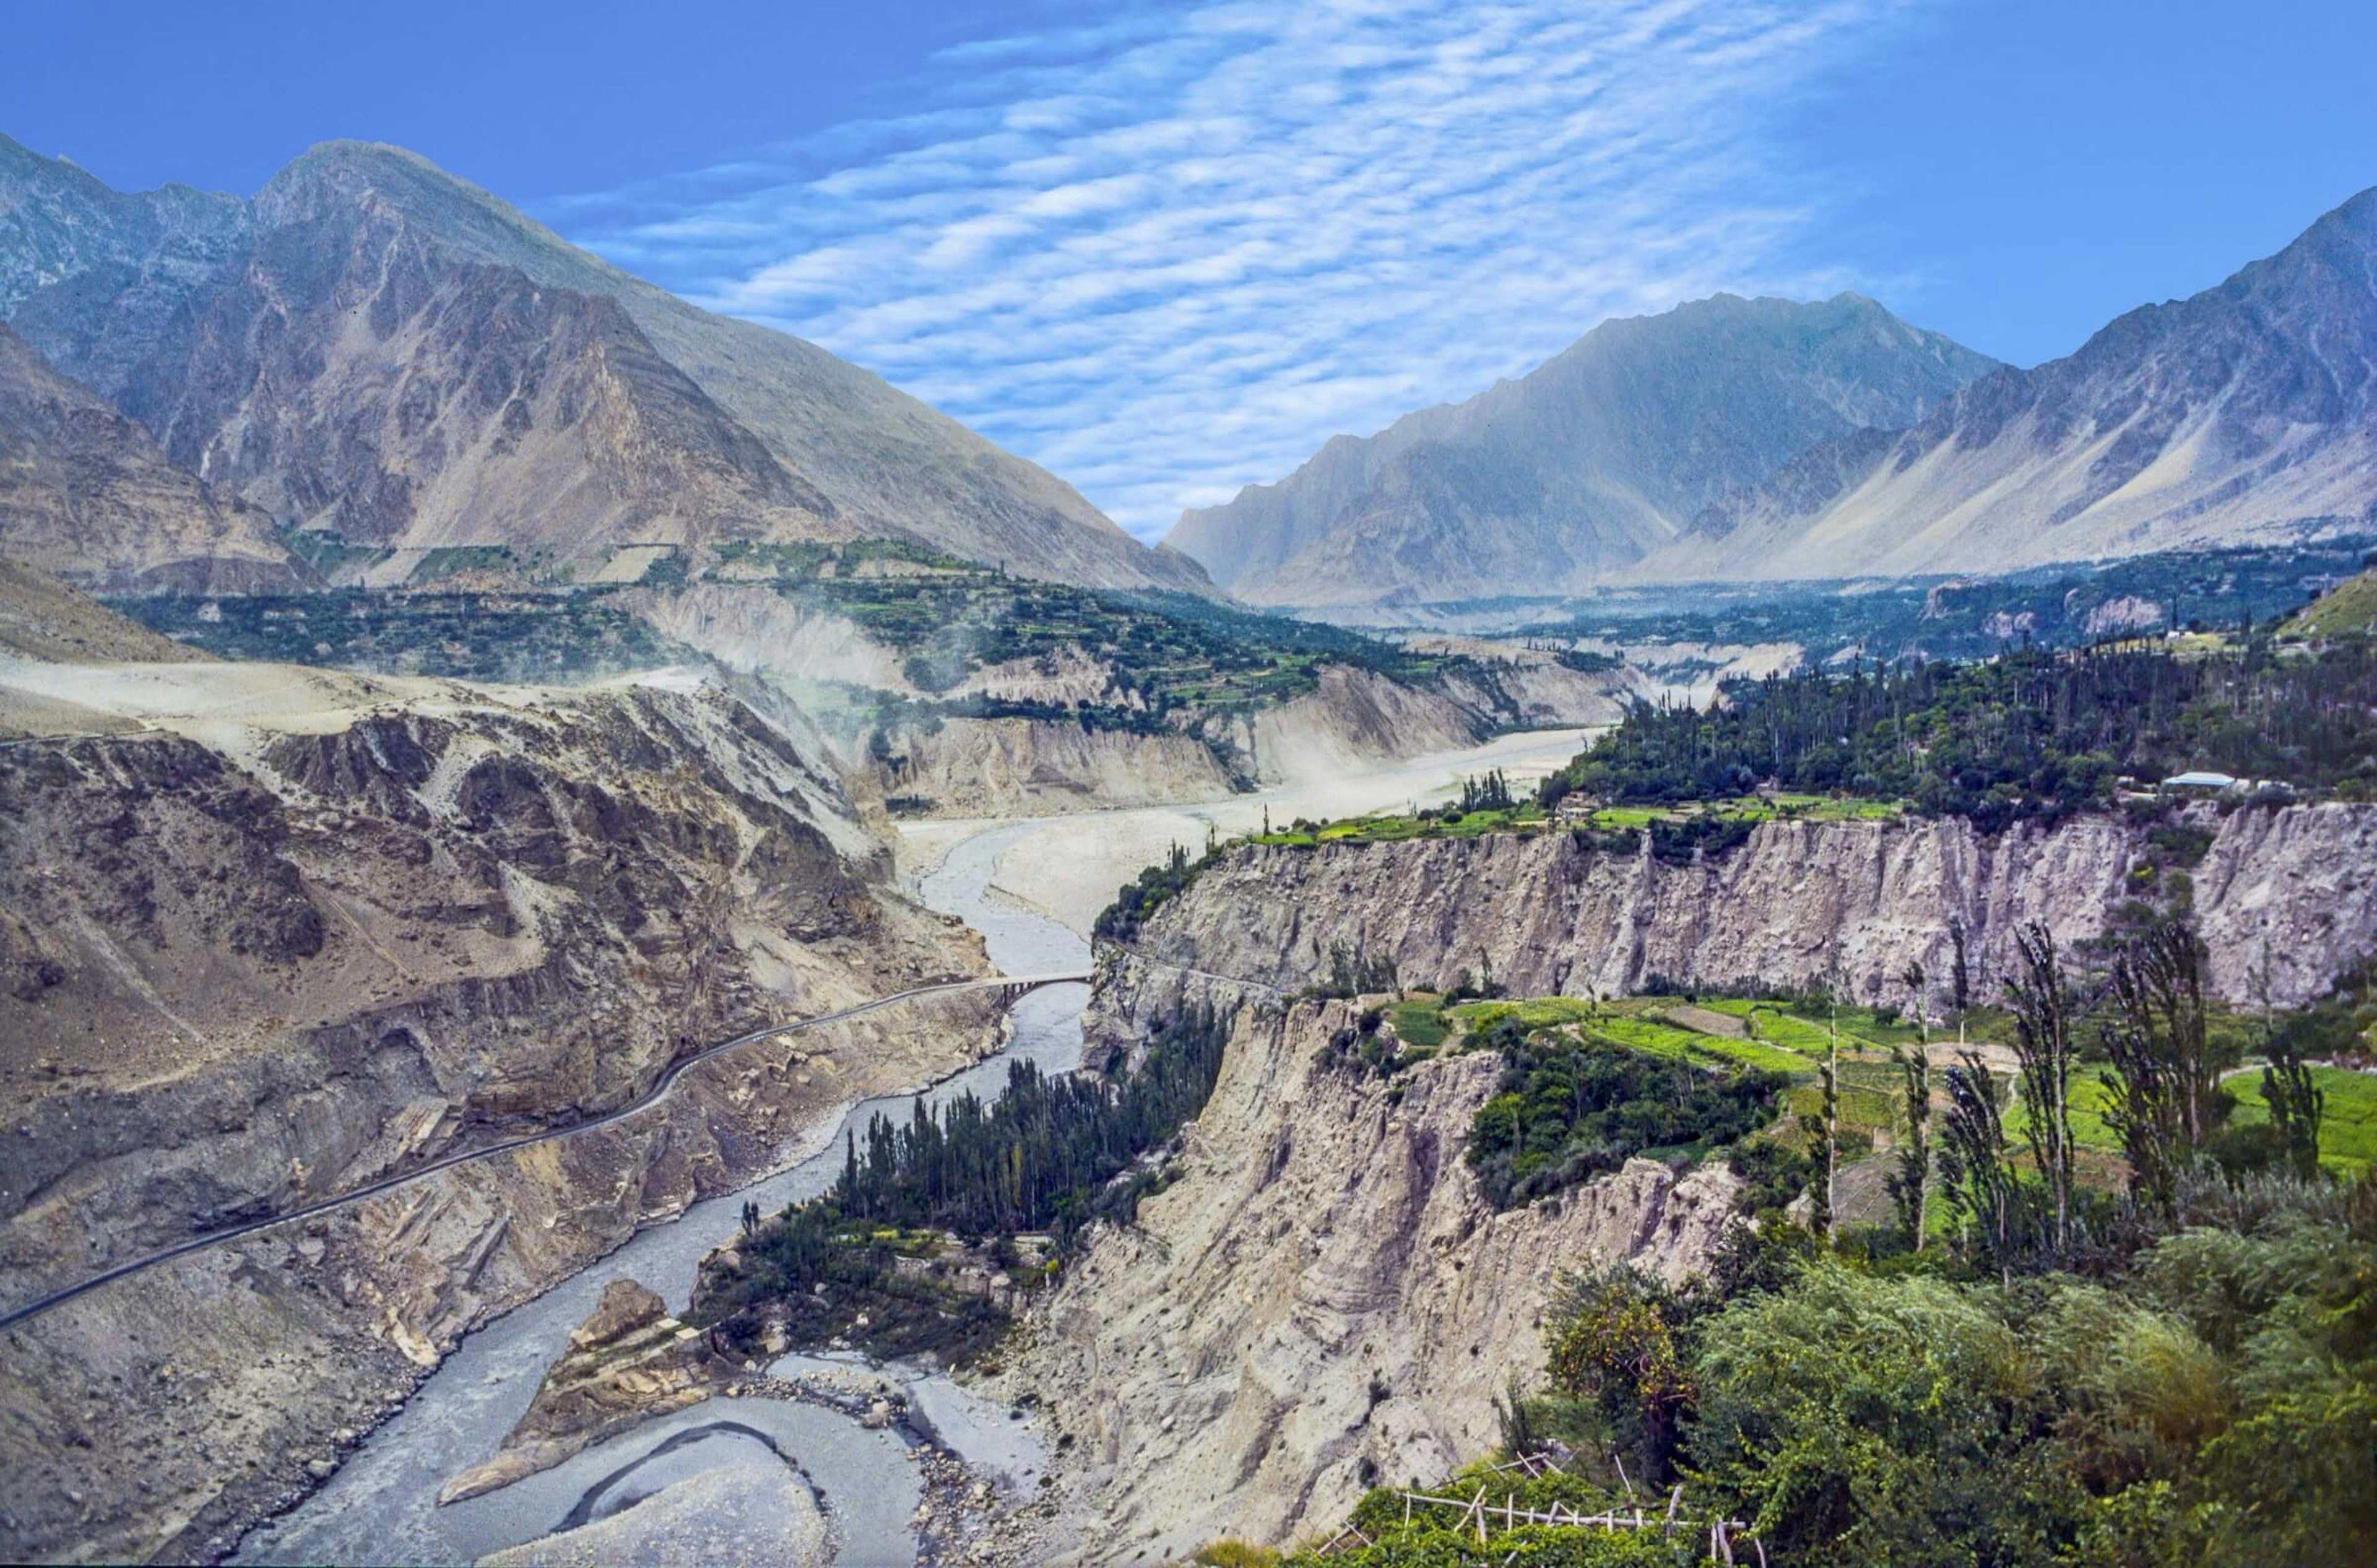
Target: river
[{"x": 381, "y": 1506}]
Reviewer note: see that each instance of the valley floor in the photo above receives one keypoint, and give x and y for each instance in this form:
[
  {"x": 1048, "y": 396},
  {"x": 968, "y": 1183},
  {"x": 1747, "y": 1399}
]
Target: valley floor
[{"x": 1068, "y": 868}]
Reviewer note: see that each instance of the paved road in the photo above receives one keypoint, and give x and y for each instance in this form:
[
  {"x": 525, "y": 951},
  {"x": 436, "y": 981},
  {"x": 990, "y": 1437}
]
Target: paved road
[{"x": 652, "y": 1096}]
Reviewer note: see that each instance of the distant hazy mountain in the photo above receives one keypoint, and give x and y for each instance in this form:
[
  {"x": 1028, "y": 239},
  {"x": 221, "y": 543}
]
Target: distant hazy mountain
[
  {"x": 2247, "y": 413},
  {"x": 86, "y": 495},
  {"x": 1576, "y": 471},
  {"x": 373, "y": 346}
]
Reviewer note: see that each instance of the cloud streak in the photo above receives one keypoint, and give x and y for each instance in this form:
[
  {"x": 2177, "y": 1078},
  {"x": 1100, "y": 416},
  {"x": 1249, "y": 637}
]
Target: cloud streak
[{"x": 1172, "y": 253}]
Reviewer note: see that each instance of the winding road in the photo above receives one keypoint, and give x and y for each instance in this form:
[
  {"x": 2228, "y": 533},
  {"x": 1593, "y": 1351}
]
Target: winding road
[{"x": 1011, "y": 986}]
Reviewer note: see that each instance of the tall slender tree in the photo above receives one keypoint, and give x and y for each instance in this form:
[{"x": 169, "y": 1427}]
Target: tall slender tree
[
  {"x": 2042, "y": 1017},
  {"x": 1910, "y": 1185},
  {"x": 1976, "y": 1170},
  {"x": 2163, "y": 1077}
]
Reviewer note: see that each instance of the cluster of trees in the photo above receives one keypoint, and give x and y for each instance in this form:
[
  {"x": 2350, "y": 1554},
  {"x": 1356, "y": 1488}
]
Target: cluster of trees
[
  {"x": 1353, "y": 972},
  {"x": 1168, "y": 652},
  {"x": 2062, "y": 606},
  {"x": 1038, "y": 1157},
  {"x": 2182, "y": 1371},
  {"x": 2029, "y": 733},
  {"x": 1138, "y": 898},
  {"x": 1491, "y": 793},
  {"x": 1571, "y": 1107},
  {"x": 2016, "y": 1201},
  {"x": 506, "y": 637},
  {"x": 2209, "y": 1397},
  {"x": 1044, "y": 1156}
]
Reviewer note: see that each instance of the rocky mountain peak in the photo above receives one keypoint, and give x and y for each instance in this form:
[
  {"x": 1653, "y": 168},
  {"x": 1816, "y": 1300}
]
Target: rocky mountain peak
[
  {"x": 2245, "y": 415},
  {"x": 1576, "y": 470},
  {"x": 511, "y": 389}
]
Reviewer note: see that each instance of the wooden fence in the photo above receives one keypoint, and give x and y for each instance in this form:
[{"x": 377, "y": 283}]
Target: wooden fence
[{"x": 1476, "y": 1511}]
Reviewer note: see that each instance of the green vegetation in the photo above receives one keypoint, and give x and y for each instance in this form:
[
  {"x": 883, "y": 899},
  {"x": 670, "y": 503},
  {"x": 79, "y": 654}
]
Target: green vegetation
[
  {"x": 1940, "y": 618},
  {"x": 2348, "y": 1127},
  {"x": 2030, "y": 733},
  {"x": 498, "y": 637},
  {"x": 2347, "y": 610},
  {"x": 1119, "y": 921},
  {"x": 1575, "y": 1103},
  {"x": 1048, "y": 1156},
  {"x": 1675, "y": 830},
  {"x": 1169, "y": 653},
  {"x": 1420, "y": 1023},
  {"x": 435, "y": 566},
  {"x": 330, "y": 554},
  {"x": 1040, "y": 1156},
  {"x": 2204, "y": 1391}
]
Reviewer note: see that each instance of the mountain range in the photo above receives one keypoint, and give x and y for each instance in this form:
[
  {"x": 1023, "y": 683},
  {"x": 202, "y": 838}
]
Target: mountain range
[
  {"x": 2245, "y": 415},
  {"x": 1745, "y": 439},
  {"x": 1577, "y": 470},
  {"x": 375, "y": 348}
]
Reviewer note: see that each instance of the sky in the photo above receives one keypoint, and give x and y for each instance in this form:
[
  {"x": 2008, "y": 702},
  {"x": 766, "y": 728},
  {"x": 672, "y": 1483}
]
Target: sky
[{"x": 1167, "y": 250}]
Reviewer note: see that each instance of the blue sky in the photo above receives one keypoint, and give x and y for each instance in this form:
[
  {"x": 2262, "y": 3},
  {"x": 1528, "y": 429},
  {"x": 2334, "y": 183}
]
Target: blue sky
[{"x": 1166, "y": 250}]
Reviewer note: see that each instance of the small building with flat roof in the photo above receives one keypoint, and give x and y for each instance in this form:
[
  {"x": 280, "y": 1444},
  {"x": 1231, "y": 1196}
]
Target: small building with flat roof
[{"x": 2203, "y": 783}]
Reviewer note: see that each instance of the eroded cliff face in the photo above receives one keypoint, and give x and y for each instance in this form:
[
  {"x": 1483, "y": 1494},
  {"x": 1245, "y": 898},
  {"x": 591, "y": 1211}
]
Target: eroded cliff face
[
  {"x": 1356, "y": 722},
  {"x": 1321, "y": 1297},
  {"x": 2295, "y": 887},
  {"x": 1043, "y": 767},
  {"x": 303, "y": 930}
]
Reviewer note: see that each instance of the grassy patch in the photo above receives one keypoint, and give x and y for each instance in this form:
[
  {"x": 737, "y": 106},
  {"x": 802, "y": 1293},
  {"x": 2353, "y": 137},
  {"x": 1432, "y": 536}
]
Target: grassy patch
[
  {"x": 2347, "y": 1124},
  {"x": 1536, "y": 1012},
  {"x": 1420, "y": 1025}
]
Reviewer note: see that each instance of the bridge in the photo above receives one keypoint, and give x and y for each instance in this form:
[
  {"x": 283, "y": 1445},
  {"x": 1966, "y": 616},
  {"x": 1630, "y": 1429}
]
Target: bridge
[{"x": 1007, "y": 988}]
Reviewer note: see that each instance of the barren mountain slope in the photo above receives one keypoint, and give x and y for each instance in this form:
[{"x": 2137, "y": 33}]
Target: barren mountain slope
[
  {"x": 88, "y": 274},
  {"x": 390, "y": 350},
  {"x": 2244, "y": 414},
  {"x": 1578, "y": 469},
  {"x": 86, "y": 495},
  {"x": 42, "y": 618},
  {"x": 299, "y": 929}
]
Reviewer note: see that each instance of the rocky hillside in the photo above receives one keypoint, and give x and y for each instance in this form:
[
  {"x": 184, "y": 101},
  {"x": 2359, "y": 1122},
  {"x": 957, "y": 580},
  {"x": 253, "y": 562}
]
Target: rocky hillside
[
  {"x": 1321, "y": 1296},
  {"x": 1355, "y": 721},
  {"x": 86, "y": 495},
  {"x": 2244, "y": 414},
  {"x": 1577, "y": 470},
  {"x": 1798, "y": 902},
  {"x": 375, "y": 347},
  {"x": 42, "y": 619},
  {"x": 284, "y": 932},
  {"x": 2349, "y": 609}
]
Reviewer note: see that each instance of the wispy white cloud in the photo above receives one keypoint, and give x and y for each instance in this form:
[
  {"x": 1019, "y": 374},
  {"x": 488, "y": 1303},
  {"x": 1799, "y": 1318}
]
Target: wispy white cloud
[{"x": 1171, "y": 253}]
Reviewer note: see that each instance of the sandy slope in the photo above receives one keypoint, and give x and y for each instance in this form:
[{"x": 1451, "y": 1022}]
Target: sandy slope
[{"x": 1068, "y": 868}]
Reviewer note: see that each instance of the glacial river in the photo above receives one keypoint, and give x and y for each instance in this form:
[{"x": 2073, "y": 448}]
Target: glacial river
[{"x": 382, "y": 1505}]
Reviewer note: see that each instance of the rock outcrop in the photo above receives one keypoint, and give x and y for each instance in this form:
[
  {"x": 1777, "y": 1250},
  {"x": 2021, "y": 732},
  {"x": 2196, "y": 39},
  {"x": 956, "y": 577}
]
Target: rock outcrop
[
  {"x": 295, "y": 931},
  {"x": 42, "y": 619},
  {"x": 1357, "y": 721},
  {"x": 1040, "y": 767},
  {"x": 1321, "y": 1296},
  {"x": 625, "y": 1363},
  {"x": 2294, "y": 887}
]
